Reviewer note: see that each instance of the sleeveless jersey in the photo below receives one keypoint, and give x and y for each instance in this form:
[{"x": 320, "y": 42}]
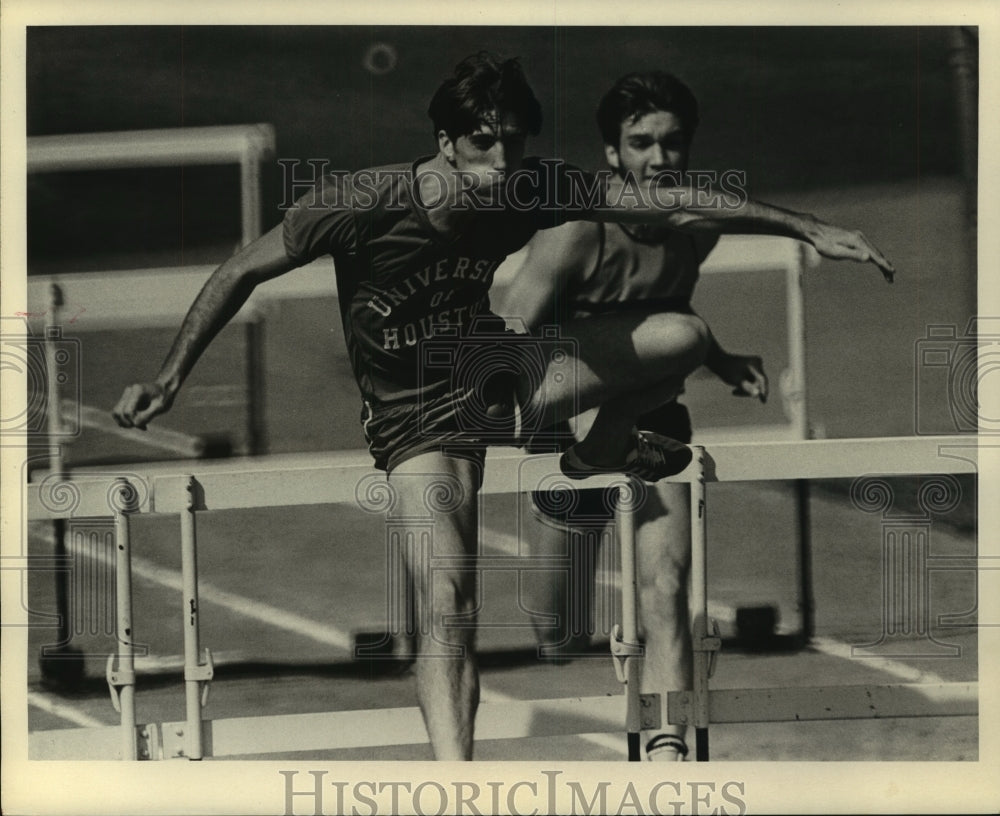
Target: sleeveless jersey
[
  {"x": 635, "y": 272},
  {"x": 400, "y": 282}
]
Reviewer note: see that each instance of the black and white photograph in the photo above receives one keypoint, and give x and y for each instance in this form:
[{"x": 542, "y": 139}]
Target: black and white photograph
[{"x": 499, "y": 409}]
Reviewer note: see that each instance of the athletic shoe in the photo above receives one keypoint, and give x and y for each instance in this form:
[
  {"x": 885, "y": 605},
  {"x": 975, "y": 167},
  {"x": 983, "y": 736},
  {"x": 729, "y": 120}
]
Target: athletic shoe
[{"x": 654, "y": 457}]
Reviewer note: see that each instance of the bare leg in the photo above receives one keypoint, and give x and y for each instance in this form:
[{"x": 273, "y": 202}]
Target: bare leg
[
  {"x": 625, "y": 363},
  {"x": 664, "y": 558},
  {"x": 565, "y": 592},
  {"x": 610, "y": 436},
  {"x": 436, "y": 502}
]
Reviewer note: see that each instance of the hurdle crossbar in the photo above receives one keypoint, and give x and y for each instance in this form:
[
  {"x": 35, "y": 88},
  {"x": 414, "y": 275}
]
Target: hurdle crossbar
[
  {"x": 245, "y": 145},
  {"x": 333, "y": 478},
  {"x": 160, "y": 296}
]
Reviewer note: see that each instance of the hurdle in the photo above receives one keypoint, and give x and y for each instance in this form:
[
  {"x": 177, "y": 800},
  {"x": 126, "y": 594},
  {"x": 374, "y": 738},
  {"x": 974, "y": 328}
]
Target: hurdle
[
  {"x": 302, "y": 479},
  {"x": 790, "y": 259},
  {"x": 813, "y": 459},
  {"x": 158, "y": 297},
  {"x": 245, "y": 145},
  {"x": 153, "y": 297}
]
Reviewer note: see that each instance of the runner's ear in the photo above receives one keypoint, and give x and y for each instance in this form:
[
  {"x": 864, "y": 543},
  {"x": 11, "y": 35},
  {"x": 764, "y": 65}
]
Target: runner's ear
[
  {"x": 446, "y": 146},
  {"x": 611, "y": 154}
]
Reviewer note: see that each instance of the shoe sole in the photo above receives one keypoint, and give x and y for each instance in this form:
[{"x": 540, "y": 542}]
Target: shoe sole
[{"x": 676, "y": 461}]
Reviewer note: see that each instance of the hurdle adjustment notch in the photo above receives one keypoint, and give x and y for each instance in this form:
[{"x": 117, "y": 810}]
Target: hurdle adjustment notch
[
  {"x": 118, "y": 677},
  {"x": 196, "y": 673},
  {"x": 201, "y": 673},
  {"x": 621, "y": 651},
  {"x": 710, "y": 643}
]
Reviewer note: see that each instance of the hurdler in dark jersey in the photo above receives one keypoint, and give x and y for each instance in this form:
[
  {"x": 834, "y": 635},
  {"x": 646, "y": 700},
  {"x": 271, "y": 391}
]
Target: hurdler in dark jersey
[{"x": 400, "y": 282}]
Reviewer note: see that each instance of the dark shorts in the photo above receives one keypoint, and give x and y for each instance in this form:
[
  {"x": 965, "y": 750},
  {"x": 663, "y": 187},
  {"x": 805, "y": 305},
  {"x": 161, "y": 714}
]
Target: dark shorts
[
  {"x": 472, "y": 401},
  {"x": 400, "y": 431},
  {"x": 596, "y": 505}
]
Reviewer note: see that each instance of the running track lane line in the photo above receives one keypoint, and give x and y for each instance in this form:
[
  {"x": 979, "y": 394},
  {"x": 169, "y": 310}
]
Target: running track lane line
[
  {"x": 249, "y": 607},
  {"x": 331, "y": 635},
  {"x": 257, "y": 610},
  {"x": 252, "y": 608},
  {"x": 902, "y": 671},
  {"x": 65, "y": 712}
]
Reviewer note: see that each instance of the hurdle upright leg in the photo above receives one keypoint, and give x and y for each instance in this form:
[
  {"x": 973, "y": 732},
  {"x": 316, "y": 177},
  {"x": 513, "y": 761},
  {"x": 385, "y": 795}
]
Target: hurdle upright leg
[
  {"x": 196, "y": 673},
  {"x": 121, "y": 677},
  {"x": 625, "y": 643},
  {"x": 703, "y": 644},
  {"x": 61, "y": 663}
]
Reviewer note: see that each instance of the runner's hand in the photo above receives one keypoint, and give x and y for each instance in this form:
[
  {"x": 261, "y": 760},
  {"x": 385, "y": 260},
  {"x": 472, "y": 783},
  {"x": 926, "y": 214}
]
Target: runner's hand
[
  {"x": 140, "y": 403},
  {"x": 847, "y": 245},
  {"x": 745, "y": 373}
]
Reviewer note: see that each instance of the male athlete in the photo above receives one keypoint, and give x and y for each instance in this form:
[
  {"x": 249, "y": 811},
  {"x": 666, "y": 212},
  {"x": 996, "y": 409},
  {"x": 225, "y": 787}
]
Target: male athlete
[
  {"x": 584, "y": 269},
  {"x": 415, "y": 247}
]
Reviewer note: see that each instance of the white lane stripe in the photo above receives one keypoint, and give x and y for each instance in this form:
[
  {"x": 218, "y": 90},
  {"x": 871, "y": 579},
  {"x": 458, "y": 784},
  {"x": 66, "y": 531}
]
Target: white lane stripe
[
  {"x": 63, "y": 711},
  {"x": 307, "y": 628},
  {"x": 488, "y": 695},
  {"x": 330, "y": 635},
  {"x": 252, "y": 608},
  {"x": 249, "y": 607},
  {"x": 895, "y": 667}
]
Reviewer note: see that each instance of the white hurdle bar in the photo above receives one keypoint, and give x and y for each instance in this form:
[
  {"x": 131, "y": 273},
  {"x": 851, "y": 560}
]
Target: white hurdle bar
[
  {"x": 302, "y": 479},
  {"x": 245, "y": 145}
]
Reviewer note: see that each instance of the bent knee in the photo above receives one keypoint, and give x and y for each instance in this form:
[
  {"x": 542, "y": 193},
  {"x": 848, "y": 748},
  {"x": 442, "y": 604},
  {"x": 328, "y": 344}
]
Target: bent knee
[
  {"x": 449, "y": 594},
  {"x": 696, "y": 335},
  {"x": 687, "y": 334}
]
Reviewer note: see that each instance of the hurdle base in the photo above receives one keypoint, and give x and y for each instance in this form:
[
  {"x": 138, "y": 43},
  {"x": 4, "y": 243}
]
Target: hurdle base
[
  {"x": 756, "y": 628},
  {"x": 811, "y": 703},
  {"x": 217, "y": 446},
  {"x": 322, "y": 731},
  {"x": 381, "y": 652},
  {"x": 63, "y": 667},
  {"x": 290, "y": 733}
]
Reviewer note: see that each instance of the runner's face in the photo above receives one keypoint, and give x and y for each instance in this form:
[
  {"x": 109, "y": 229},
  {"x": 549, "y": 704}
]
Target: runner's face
[
  {"x": 649, "y": 145},
  {"x": 491, "y": 152}
]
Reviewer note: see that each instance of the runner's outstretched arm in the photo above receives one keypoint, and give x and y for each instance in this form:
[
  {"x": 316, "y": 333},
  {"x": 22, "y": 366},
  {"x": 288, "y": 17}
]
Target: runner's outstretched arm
[
  {"x": 703, "y": 210},
  {"x": 221, "y": 297}
]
